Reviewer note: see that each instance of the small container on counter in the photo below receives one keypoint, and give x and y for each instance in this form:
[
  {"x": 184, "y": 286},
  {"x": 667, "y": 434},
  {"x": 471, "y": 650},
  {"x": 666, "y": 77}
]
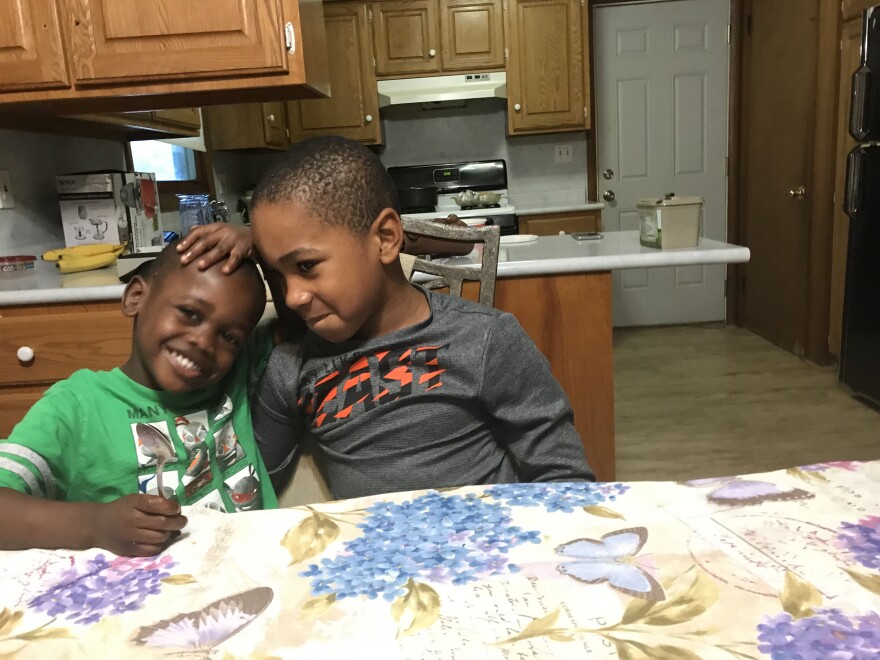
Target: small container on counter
[{"x": 16, "y": 263}]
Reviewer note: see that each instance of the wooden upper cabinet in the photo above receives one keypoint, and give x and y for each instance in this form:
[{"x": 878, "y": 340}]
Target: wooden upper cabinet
[
  {"x": 472, "y": 35},
  {"x": 246, "y": 126},
  {"x": 352, "y": 110},
  {"x": 406, "y": 37},
  {"x": 31, "y": 55},
  {"x": 186, "y": 118},
  {"x": 113, "y": 41},
  {"x": 546, "y": 79}
]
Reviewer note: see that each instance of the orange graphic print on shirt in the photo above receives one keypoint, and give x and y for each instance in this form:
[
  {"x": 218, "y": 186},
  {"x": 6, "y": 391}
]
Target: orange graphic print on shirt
[{"x": 352, "y": 389}]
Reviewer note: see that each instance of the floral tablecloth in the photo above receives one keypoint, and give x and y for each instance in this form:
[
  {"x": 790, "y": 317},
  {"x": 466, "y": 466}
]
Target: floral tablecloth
[{"x": 784, "y": 564}]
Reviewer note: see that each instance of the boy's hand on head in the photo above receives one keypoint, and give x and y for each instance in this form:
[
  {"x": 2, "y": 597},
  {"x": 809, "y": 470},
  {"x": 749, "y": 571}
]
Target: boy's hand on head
[
  {"x": 137, "y": 525},
  {"x": 213, "y": 243}
]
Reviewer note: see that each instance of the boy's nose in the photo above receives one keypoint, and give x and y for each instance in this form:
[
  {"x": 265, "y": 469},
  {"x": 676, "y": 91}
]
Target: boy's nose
[
  {"x": 297, "y": 297},
  {"x": 202, "y": 338}
]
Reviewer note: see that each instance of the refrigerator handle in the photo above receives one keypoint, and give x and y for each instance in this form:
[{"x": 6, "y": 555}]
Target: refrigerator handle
[
  {"x": 861, "y": 99},
  {"x": 854, "y": 175}
]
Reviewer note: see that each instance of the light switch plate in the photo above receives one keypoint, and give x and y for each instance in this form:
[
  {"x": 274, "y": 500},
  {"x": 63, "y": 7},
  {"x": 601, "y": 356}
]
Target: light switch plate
[
  {"x": 6, "y": 200},
  {"x": 563, "y": 153}
]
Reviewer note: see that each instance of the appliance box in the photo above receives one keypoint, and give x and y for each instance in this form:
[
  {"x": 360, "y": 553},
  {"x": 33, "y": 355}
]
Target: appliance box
[
  {"x": 670, "y": 222},
  {"x": 110, "y": 207}
]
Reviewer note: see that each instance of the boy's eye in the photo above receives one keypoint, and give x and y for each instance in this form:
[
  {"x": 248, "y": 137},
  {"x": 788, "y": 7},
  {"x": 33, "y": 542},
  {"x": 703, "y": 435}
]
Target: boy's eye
[
  {"x": 189, "y": 313},
  {"x": 306, "y": 266}
]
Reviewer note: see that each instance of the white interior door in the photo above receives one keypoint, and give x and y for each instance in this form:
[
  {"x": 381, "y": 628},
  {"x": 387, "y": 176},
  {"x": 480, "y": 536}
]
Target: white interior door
[{"x": 661, "y": 126}]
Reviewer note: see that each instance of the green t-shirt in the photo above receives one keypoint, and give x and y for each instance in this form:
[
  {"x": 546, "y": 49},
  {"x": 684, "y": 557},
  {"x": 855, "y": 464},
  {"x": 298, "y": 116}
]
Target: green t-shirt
[{"x": 96, "y": 436}]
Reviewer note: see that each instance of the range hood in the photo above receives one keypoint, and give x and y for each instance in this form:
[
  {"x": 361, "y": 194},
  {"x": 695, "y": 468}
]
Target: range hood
[{"x": 442, "y": 88}]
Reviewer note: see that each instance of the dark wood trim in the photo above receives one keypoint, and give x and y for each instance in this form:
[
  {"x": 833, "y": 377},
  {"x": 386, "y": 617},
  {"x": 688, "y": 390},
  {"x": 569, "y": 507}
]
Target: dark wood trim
[
  {"x": 734, "y": 157},
  {"x": 821, "y": 186}
]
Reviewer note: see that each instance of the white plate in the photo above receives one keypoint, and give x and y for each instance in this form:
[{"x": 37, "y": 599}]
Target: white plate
[{"x": 513, "y": 239}]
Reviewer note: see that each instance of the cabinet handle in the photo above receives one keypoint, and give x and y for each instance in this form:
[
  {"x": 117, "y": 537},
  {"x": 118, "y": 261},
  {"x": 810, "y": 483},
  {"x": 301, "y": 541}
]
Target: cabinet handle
[
  {"x": 432, "y": 52},
  {"x": 368, "y": 118},
  {"x": 517, "y": 107},
  {"x": 25, "y": 354},
  {"x": 271, "y": 117}
]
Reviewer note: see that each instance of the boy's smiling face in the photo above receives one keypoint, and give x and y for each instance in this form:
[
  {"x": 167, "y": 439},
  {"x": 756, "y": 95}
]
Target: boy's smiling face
[
  {"x": 190, "y": 325},
  {"x": 332, "y": 278}
]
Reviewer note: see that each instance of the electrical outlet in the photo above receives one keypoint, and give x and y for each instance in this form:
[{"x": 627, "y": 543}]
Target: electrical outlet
[
  {"x": 563, "y": 153},
  {"x": 6, "y": 201}
]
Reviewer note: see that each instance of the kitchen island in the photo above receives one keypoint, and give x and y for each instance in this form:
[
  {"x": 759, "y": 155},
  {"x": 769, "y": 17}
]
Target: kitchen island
[{"x": 558, "y": 288}]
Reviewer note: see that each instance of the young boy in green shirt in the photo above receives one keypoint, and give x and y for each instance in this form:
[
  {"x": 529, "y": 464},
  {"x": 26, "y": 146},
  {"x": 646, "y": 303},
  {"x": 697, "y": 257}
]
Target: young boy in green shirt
[{"x": 81, "y": 468}]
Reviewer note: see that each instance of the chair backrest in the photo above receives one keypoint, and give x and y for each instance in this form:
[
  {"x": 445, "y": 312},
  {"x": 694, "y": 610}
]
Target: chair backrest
[{"x": 454, "y": 276}]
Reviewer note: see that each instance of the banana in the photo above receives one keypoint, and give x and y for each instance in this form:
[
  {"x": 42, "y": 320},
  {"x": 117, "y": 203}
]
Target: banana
[
  {"x": 91, "y": 262},
  {"x": 79, "y": 251}
]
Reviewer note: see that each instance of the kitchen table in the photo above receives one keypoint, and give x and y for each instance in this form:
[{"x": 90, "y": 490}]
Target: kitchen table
[{"x": 784, "y": 564}]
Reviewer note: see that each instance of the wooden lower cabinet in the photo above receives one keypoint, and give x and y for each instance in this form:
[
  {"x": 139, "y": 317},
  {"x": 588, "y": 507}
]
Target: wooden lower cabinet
[
  {"x": 64, "y": 338},
  {"x": 550, "y": 224},
  {"x": 575, "y": 337}
]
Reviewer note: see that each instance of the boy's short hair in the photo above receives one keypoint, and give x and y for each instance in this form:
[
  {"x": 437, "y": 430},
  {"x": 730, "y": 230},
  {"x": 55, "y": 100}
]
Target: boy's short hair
[
  {"x": 168, "y": 260},
  {"x": 339, "y": 180}
]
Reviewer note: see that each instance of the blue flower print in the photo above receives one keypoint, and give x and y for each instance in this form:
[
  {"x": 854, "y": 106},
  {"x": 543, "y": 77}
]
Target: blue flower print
[
  {"x": 557, "y": 496},
  {"x": 443, "y": 539},
  {"x": 828, "y": 633},
  {"x": 862, "y": 540}
]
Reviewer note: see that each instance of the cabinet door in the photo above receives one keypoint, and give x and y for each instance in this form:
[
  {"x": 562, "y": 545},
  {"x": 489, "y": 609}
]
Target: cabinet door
[
  {"x": 545, "y": 72},
  {"x": 406, "y": 37},
  {"x": 13, "y": 407},
  {"x": 352, "y": 110},
  {"x": 472, "y": 33},
  {"x": 274, "y": 124},
  {"x": 118, "y": 41},
  {"x": 30, "y": 46}
]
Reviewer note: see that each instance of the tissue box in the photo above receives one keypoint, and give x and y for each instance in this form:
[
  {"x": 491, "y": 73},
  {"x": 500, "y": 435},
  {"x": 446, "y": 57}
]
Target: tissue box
[
  {"x": 110, "y": 207},
  {"x": 669, "y": 222}
]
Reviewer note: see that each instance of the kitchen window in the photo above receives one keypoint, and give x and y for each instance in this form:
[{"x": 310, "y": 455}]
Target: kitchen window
[{"x": 180, "y": 170}]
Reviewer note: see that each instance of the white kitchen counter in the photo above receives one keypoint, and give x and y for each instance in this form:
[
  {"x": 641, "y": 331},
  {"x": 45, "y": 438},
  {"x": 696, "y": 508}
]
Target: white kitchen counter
[
  {"x": 552, "y": 255},
  {"x": 560, "y": 208},
  {"x": 548, "y": 255}
]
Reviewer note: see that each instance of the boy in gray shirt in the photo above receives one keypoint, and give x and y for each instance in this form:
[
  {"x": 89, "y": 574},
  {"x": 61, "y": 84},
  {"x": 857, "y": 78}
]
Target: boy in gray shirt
[{"x": 402, "y": 389}]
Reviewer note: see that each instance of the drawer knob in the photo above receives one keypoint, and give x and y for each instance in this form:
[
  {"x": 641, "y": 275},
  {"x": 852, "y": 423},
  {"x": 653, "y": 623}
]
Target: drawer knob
[
  {"x": 517, "y": 107},
  {"x": 432, "y": 52},
  {"x": 25, "y": 354}
]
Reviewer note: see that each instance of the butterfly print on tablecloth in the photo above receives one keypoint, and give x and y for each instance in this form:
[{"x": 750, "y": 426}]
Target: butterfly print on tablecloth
[
  {"x": 204, "y": 629},
  {"x": 609, "y": 560},
  {"x": 734, "y": 490}
]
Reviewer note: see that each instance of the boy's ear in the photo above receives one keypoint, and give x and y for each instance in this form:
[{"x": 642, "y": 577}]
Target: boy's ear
[
  {"x": 134, "y": 295},
  {"x": 389, "y": 234}
]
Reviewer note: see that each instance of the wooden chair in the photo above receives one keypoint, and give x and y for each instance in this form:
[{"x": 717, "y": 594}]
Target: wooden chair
[{"x": 454, "y": 276}]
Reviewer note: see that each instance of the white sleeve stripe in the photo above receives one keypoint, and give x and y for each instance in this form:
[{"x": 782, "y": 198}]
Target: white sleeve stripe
[
  {"x": 34, "y": 459},
  {"x": 21, "y": 471}
]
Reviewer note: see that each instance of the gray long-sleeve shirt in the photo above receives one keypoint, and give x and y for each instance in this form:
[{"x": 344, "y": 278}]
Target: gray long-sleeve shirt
[{"x": 462, "y": 398}]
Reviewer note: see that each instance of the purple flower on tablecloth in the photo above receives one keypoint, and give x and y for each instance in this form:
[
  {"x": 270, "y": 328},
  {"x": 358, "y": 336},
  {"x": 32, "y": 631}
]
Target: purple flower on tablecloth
[
  {"x": 862, "y": 540},
  {"x": 828, "y": 633},
  {"x": 452, "y": 539},
  {"x": 96, "y": 587},
  {"x": 852, "y": 466},
  {"x": 555, "y": 496}
]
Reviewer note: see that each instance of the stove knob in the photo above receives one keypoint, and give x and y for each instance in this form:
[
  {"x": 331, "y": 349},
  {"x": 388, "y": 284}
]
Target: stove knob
[{"x": 25, "y": 354}]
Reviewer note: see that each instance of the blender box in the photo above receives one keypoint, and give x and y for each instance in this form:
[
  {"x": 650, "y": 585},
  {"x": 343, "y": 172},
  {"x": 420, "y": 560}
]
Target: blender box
[{"x": 110, "y": 207}]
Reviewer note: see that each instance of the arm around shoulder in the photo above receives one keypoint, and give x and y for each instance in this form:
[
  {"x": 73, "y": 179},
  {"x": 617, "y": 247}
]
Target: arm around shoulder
[{"x": 535, "y": 418}]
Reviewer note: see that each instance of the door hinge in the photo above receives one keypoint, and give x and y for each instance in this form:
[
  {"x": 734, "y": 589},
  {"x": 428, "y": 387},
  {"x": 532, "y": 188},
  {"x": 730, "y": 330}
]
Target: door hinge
[
  {"x": 582, "y": 3},
  {"x": 585, "y": 112},
  {"x": 374, "y": 64},
  {"x": 506, "y": 55},
  {"x": 370, "y": 15},
  {"x": 289, "y": 38}
]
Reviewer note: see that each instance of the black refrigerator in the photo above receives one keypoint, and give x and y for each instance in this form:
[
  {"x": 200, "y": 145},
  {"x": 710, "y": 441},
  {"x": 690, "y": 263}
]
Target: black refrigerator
[{"x": 860, "y": 346}]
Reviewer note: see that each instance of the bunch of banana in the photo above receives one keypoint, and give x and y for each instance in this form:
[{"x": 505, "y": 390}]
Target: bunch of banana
[{"x": 84, "y": 257}]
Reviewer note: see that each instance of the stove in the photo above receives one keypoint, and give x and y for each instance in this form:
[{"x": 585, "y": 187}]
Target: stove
[{"x": 453, "y": 178}]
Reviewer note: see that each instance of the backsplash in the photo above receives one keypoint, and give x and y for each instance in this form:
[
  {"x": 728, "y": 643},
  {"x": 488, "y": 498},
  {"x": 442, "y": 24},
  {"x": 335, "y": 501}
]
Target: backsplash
[{"x": 33, "y": 160}]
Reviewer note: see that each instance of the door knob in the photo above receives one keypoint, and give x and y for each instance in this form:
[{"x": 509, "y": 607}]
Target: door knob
[
  {"x": 608, "y": 195},
  {"x": 517, "y": 107},
  {"x": 271, "y": 117},
  {"x": 798, "y": 193},
  {"x": 25, "y": 354},
  {"x": 432, "y": 52},
  {"x": 608, "y": 174},
  {"x": 368, "y": 118}
]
